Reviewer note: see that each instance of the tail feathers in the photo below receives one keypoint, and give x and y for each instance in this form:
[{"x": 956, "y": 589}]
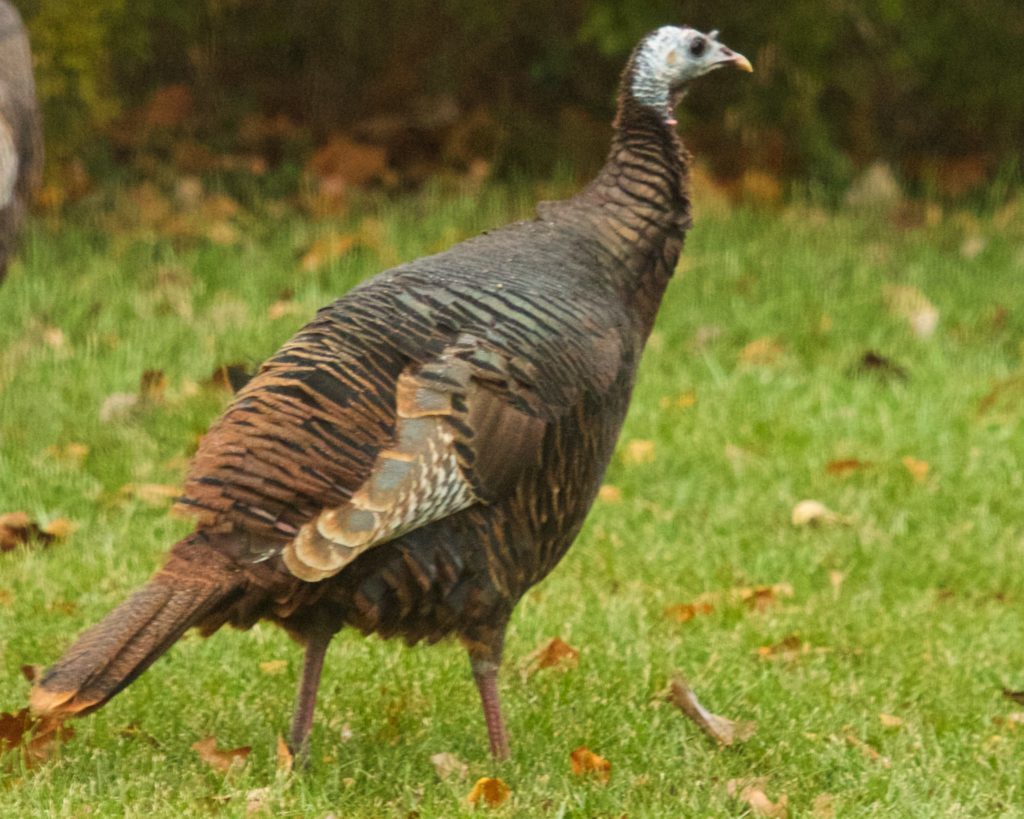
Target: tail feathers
[{"x": 111, "y": 654}]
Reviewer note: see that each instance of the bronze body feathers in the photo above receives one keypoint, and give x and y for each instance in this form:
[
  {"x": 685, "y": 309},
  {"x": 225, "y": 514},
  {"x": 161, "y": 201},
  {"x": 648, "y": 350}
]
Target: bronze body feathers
[{"x": 427, "y": 448}]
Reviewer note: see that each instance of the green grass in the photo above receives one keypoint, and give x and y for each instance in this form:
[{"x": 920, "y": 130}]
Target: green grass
[{"x": 926, "y": 624}]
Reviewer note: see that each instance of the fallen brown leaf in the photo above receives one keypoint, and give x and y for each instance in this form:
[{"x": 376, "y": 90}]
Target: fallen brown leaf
[
  {"x": 761, "y": 352},
  {"x": 638, "y": 451},
  {"x": 18, "y": 529},
  {"x": 682, "y": 401},
  {"x": 30, "y": 672},
  {"x": 788, "y": 648},
  {"x": 1016, "y": 696},
  {"x": 911, "y": 305},
  {"x": 762, "y": 598},
  {"x": 845, "y": 466},
  {"x": 584, "y": 761},
  {"x": 273, "y": 666},
  {"x": 152, "y": 494},
  {"x": 823, "y": 806},
  {"x": 326, "y": 250},
  {"x": 685, "y": 612},
  {"x": 256, "y": 800},
  {"x": 876, "y": 364},
  {"x": 448, "y": 766},
  {"x": 72, "y": 454},
  {"x": 117, "y": 406},
  {"x": 492, "y": 791},
  {"x": 555, "y": 653},
  {"x": 229, "y": 377},
  {"x": 835, "y": 579},
  {"x": 890, "y": 721},
  {"x": 609, "y": 493},
  {"x": 721, "y": 729},
  {"x": 813, "y": 513},
  {"x": 285, "y": 757},
  {"x": 917, "y": 469},
  {"x": 282, "y": 308},
  {"x": 752, "y": 791},
  {"x": 868, "y": 751},
  {"x": 220, "y": 761},
  {"x": 1014, "y": 720},
  {"x": 152, "y": 386},
  {"x": 36, "y": 738}
]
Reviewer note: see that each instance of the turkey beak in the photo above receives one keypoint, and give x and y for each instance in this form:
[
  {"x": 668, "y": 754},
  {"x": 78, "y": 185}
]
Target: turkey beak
[
  {"x": 726, "y": 56},
  {"x": 742, "y": 63}
]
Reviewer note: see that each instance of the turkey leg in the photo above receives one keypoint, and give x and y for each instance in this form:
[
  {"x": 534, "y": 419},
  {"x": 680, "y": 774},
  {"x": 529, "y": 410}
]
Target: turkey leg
[
  {"x": 485, "y": 652},
  {"x": 305, "y": 700},
  {"x": 485, "y": 672}
]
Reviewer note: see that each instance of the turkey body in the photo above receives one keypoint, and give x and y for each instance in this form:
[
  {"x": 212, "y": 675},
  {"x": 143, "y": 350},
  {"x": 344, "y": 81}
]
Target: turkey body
[
  {"x": 21, "y": 141},
  {"x": 427, "y": 448},
  {"x": 312, "y": 422}
]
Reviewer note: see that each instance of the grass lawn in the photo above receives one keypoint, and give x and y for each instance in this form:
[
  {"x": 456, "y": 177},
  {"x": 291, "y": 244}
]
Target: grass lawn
[{"x": 910, "y": 605}]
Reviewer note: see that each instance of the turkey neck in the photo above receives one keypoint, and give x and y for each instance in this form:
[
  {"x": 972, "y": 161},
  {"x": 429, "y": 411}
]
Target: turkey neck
[{"x": 640, "y": 197}]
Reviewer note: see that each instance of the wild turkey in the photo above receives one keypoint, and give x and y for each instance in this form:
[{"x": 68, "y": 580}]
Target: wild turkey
[
  {"x": 427, "y": 448},
  {"x": 21, "y": 140}
]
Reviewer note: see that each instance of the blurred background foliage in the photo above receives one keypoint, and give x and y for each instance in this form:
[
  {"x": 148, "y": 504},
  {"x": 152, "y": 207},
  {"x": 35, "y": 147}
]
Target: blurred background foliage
[{"x": 409, "y": 88}]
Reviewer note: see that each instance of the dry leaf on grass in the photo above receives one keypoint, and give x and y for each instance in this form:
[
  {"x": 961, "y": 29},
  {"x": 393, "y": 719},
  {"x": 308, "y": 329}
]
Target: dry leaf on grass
[
  {"x": 1013, "y": 721},
  {"x": 257, "y": 800},
  {"x": 762, "y": 598},
  {"x": 911, "y": 305},
  {"x": 638, "y": 451},
  {"x": 1016, "y": 696},
  {"x": 220, "y": 761},
  {"x": 823, "y": 806},
  {"x": 868, "y": 751},
  {"x": 555, "y": 653},
  {"x": 229, "y": 377},
  {"x": 117, "y": 406},
  {"x": 152, "y": 386},
  {"x": 813, "y": 513},
  {"x": 752, "y": 791},
  {"x": 152, "y": 494},
  {"x": 761, "y": 352},
  {"x": 721, "y": 729},
  {"x": 327, "y": 249},
  {"x": 875, "y": 364},
  {"x": 36, "y": 738},
  {"x": 609, "y": 493},
  {"x": 788, "y": 648},
  {"x": 282, "y": 308},
  {"x": 285, "y": 757},
  {"x": 585, "y": 761},
  {"x": 448, "y": 766},
  {"x": 684, "y": 400},
  {"x": 918, "y": 469},
  {"x": 71, "y": 454},
  {"x": 890, "y": 721},
  {"x": 845, "y": 466},
  {"x": 685, "y": 612},
  {"x": 273, "y": 666},
  {"x": 18, "y": 529},
  {"x": 492, "y": 792}
]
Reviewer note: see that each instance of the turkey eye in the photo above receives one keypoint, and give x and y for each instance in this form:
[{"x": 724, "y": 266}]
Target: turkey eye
[{"x": 697, "y": 47}]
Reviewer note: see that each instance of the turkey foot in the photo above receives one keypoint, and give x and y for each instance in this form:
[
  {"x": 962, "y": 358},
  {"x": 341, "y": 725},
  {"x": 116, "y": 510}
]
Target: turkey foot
[{"x": 721, "y": 729}]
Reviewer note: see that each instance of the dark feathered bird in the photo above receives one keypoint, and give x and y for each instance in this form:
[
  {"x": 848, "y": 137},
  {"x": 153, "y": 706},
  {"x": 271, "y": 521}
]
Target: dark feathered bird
[
  {"x": 427, "y": 448},
  {"x": 21, "y": 139}
]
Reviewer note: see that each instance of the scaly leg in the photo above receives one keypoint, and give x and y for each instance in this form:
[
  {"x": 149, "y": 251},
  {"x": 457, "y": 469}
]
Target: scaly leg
[
  {"x": 305, "y": 701},
  {"x": 485, "y": 647},
  {"x": 485, "y": 672}
]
